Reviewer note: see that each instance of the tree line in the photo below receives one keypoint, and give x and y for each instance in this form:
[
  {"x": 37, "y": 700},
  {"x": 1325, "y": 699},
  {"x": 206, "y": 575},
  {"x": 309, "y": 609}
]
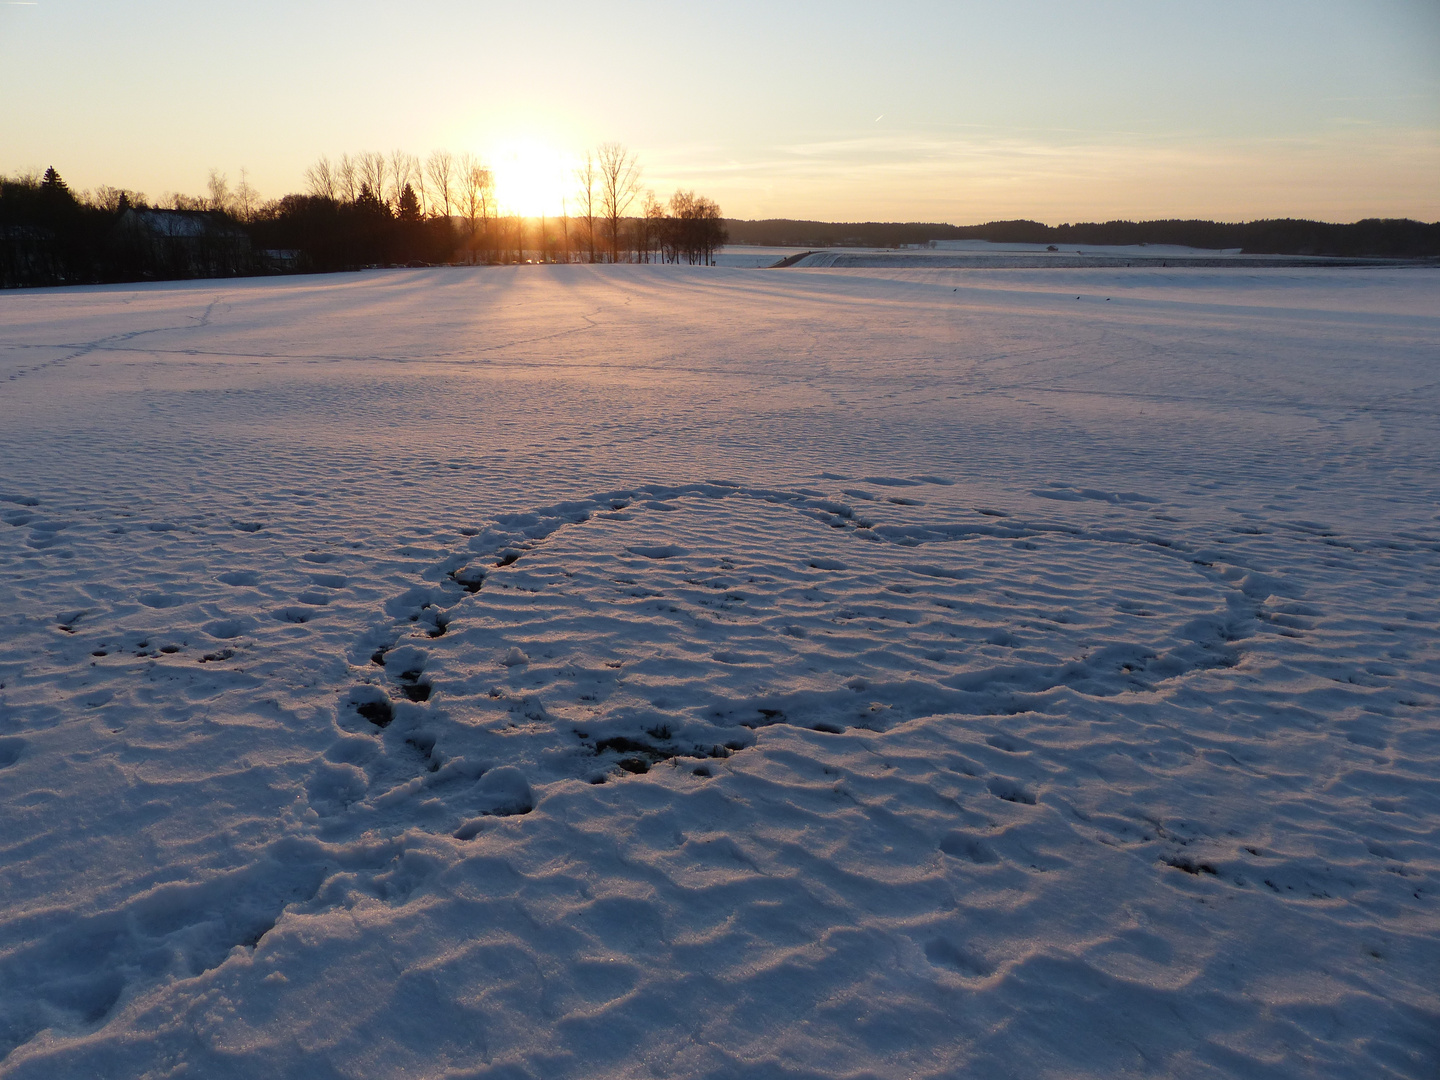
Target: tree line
[
  {"x": 358, "y": 210},
  {"x": 1395, "y": 238},
  {"x": 450, "y": 199}
]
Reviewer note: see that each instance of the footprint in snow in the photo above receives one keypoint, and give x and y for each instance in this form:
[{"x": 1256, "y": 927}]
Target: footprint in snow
[{"x": 657, "y": 551}]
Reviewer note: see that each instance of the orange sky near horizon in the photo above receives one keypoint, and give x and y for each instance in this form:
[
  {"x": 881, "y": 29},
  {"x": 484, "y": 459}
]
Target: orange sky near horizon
[{"x": 959, "y": 111}]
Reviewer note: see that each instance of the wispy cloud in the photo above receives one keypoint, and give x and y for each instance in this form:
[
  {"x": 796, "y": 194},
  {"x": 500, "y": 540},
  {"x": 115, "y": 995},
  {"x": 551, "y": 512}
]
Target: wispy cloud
[{"x": 1341, "y": 174}]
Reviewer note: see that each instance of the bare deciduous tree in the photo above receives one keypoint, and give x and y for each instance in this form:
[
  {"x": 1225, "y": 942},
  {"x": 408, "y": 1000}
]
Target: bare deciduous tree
[
  {"x": 441, "y": 168},
  {"x": 374, "y": 174},
  {"x": 649, "y": 227},
  {"x": 422, "y": 189},
  {"x": 619, "y": 181},
  {"x": 347, "y": 179},
  {"x": 246, "y": 199},
  {"x": 476, "y": 186},
  {"x": 113, "y": 199},
  {"x": 321, "y": 179},
  {"x": 219, "y": 188},
  {"x": 586, "y": 180},
  {"x": 401, "y": 173},
  {"x": 694, "y": 229}
]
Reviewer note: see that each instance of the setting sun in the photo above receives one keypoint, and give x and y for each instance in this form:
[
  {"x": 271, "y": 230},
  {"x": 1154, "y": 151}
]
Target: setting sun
[{"x": 530, "y": 179}]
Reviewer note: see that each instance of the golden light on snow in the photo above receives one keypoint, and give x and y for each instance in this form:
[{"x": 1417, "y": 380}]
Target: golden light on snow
[{"x": 531, "y": 178}]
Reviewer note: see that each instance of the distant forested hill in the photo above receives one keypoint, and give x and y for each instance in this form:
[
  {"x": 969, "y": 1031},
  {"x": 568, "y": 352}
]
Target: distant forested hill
[{"x": 1398, "y": 238}]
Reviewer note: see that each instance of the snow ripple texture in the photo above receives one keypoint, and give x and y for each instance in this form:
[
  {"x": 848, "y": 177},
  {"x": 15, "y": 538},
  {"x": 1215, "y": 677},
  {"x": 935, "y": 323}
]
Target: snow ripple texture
[{"x": 655, "y": 671}]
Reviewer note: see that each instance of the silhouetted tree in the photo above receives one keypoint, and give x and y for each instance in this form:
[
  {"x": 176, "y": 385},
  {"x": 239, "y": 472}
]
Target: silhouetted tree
[
  {"x": 694, "y": 230},
  {"x": 619, "y": 181},
  {"x": 321, "y": 179},
  {"x": 347, "y": 179},
  {"x": 219, "y": 188},
  {"x": 441, "y": 168},
  {"x": 476, "y": 198},
  {"x": 586, "y": 180},
  {"x": 54, "y": 187},
  {"x": 409, "y": 209},
  {"x": 245, "y": 200},
  {"x": 374, "y": 172},
  {"x": 649, "y": 228},
  {"x": 400, "y": 174}
]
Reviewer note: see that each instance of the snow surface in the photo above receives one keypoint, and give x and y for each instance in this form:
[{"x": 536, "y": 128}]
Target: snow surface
[
  {"x": 753, "y": 256},
  {"x": 1006, "y": 674}
]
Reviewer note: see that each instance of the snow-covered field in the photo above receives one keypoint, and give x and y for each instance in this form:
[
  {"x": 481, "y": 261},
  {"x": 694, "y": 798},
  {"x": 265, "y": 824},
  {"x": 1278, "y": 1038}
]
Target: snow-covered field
[{"x": 660, "y": 671}]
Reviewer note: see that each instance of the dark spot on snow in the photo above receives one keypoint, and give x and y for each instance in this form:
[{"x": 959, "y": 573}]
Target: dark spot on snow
[
  {"x": 247, "y": 526},
  {"x": 1010, "y": 791},
  {"x": 889, "y": 481},
  {"x": 99, "y": 652},
  {"x": 378, "y": 711},
  {"x": 942, "y": 953},
  {"x": 702, "y": 770},
  {"x": 1191, "y": 867},
  {"x": 634, "y": 765},
  {"x": 412, "y": 687},
  {"x": 507, "y": 557},
  {"x": 169, "y": 648},
  {"x": 961, "y": 846},
  {"x": 378, "y": 656},
  {"x": 656, "y": 551},
  {"x": 213, "y": 657},
  {"x": 767, "y": 717},
  {"x": 828, "y": 729},
  {"x": 468, "y": 578}
]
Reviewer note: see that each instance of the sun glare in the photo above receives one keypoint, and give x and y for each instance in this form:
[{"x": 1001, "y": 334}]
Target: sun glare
[{"x": 530, "y": 179}]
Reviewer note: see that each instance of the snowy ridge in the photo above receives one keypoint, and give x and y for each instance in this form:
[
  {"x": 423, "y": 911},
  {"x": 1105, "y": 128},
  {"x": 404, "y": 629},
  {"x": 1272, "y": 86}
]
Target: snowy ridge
[{"x": 322, "y": 755}]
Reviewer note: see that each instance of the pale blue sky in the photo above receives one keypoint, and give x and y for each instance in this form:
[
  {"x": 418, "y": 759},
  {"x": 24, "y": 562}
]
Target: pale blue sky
[{"x": 917, "y": 111}]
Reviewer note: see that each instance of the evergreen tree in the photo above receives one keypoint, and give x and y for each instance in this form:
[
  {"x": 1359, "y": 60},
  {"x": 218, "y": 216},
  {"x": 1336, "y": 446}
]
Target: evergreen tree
[
  {"x": 369, "y": 205},
  {"x": 409, "y": 205},
  {"x": 52, "y": 182}
]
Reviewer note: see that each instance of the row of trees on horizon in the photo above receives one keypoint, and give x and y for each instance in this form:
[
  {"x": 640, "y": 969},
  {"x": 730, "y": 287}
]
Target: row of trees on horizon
[
  {"x": 373, "y": 209},
  {"x": 1392, "y": 238},
  {"x": 606, "y": 218},
  {"x": 362, "y": 210}
]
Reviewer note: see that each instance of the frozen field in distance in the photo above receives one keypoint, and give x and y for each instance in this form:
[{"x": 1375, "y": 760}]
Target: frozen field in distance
[{"x": 715, "y": 672}]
